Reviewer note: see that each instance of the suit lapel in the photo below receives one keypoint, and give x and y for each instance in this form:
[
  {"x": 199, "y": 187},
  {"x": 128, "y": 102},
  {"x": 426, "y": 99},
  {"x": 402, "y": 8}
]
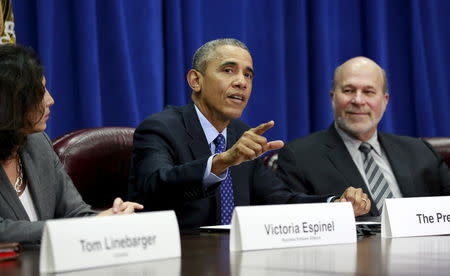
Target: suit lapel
[
  {"x": 238, "y": 173},
  {"x": 398, "y": 162},
  {"x": 343, "y": 162},
  {"x": 9, "y": 195},
  {"x": 231, "y": 135},
  {"x": 199, "y": 149},
  {"x": 199, "y": 146}
]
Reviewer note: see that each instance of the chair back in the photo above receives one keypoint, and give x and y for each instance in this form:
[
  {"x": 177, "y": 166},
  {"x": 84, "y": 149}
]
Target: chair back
[
  {"x": 440, "y": 145},
  {"x": 98, "y": 161},
  {"x": 270, "y": 160}
]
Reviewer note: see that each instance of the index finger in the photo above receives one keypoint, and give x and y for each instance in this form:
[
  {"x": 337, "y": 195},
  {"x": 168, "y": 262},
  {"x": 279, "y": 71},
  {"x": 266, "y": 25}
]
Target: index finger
[
  {"x": 134, "y": 205},
  {"x": 116, "y": 204},
  {"x": 263, "y": 127}
]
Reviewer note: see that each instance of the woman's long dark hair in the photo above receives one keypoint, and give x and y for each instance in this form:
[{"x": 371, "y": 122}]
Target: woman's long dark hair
[{"x": 21, "y": 94}]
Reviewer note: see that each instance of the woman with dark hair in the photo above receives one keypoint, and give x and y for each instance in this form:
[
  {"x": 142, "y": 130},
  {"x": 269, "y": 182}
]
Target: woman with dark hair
[{"x": 33, "y": 184}]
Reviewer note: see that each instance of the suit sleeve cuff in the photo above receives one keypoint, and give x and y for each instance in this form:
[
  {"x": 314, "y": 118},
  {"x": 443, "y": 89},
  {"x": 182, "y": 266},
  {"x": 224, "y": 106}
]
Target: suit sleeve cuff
[
  {"x": 210, "y": 178},
  {"x": 331, "y": 199}
]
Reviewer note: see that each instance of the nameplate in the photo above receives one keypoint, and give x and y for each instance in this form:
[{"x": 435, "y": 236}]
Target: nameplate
[
  {"x": 291, "y": 225},
  {"x": 415, "y": 216},
  {"x": 81, "y": 243}
]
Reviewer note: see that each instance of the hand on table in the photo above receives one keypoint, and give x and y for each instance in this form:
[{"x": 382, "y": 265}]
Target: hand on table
[
  {"x": 120, "y": 207},
  {"x": 360, "y": 201}
]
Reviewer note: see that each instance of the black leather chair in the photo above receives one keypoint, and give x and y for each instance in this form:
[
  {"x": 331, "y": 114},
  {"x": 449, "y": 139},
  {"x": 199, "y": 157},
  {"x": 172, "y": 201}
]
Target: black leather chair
[
  {"x": 441, "y": 145},
  {"x": 98, "y": 161}
]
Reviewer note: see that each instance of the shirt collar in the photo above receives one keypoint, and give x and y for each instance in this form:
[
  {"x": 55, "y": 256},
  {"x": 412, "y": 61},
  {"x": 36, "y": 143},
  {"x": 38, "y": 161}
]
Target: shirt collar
[
  {"x": 355, "y": 143},
  {"x": 209, "y": 130}
]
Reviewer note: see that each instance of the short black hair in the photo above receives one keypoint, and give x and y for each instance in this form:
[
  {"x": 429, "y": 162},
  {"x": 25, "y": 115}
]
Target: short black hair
[{"x": 203, "y": 54}]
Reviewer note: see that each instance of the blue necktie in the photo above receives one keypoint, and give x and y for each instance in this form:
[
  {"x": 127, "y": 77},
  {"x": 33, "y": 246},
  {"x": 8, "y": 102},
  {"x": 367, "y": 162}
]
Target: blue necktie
[{"x": 226, "y": 187}]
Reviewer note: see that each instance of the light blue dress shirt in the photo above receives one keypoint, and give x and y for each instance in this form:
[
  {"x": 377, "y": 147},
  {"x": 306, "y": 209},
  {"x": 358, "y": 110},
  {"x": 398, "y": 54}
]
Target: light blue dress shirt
[{"x": 211, "y": 133}]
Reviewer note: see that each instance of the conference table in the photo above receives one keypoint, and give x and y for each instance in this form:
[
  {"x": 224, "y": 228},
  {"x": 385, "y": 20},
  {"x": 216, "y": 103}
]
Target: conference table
[{"x": 208, "y": 254}]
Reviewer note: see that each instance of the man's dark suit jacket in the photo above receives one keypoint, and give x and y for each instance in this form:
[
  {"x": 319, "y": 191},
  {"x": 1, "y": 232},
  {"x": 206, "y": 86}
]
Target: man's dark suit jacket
[
  {"x": 169, "y": 160},
  {"x": 320, "y": 163}
]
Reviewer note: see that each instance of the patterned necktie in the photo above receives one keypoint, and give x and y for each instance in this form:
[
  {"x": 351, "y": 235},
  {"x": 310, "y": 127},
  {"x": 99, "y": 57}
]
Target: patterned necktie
[
  {"x": 226, "y": 187},
  {"x": 377, "y": 183}
]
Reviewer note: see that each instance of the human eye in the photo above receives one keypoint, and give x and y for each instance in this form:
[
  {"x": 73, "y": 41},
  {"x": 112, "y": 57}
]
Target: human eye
[
  {"x": 228, "y": 70},
  {"x": 347, "y": 90},
  {"x": 248, "y": 75}
]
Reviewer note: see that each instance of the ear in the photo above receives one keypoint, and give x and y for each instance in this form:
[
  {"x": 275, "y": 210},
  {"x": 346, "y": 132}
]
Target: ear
[
  {"x": 385, "y": 100},
  {"x": 194, "y": 79}
]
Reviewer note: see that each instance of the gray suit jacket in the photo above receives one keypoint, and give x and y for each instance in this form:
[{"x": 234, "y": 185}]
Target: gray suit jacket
[{"x": 52, "y": 191}]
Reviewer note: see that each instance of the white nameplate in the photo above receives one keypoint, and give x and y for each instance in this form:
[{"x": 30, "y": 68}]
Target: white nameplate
[
  {"x": 415, "y": 216},
  {"x": 80, "y": 243},
  {"x": 291, "y": 225}
]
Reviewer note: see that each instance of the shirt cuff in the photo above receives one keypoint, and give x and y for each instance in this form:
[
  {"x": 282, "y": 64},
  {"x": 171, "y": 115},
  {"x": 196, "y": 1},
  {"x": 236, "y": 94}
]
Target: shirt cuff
[
  {"x": 331, "y": 199},
  {"x": 210, "y": 178}
]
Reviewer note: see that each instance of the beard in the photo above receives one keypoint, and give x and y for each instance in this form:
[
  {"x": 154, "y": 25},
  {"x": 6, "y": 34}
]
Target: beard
[{"x": 357, "y": 127}]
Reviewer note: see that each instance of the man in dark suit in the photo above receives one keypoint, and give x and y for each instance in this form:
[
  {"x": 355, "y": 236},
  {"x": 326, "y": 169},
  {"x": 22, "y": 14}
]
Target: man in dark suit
[
  {"x": 351, "y": 152},
  {"x": 199, "y": 160}
]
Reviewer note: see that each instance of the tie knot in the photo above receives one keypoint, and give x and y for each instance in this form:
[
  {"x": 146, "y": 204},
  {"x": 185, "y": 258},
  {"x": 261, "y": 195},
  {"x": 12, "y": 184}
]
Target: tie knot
[
  {"x": 365, "y": 148},
  {"x": 219, "y": 142}
]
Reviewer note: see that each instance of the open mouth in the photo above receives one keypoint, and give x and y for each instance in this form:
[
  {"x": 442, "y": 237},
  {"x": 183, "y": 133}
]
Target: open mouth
[{"x": 237, "y": 98}]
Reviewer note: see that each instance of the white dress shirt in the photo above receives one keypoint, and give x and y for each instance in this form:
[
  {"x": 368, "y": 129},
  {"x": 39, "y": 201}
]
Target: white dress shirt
[
  {"x": 28, "y": 205},
  {"x": 379, "y": 156}
]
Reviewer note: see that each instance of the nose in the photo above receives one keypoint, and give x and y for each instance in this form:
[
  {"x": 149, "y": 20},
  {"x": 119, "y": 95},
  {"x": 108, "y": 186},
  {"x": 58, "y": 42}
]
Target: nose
[
  {"x": 48, "y": 99},
  {"x": 240, "y": 81},
  {"x": 358, "y": 98}
]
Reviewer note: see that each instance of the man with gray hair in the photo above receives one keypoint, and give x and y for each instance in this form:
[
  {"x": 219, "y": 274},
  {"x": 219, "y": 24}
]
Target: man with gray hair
[
  {"x": 351, "y": 152},
  {"x": 200, "y": 160}
]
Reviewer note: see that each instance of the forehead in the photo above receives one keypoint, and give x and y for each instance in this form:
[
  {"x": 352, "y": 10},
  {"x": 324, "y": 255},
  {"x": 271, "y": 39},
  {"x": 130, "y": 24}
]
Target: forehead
[
  {"x": 360, "y": 74},
  {"x": 228, "y": 53}
]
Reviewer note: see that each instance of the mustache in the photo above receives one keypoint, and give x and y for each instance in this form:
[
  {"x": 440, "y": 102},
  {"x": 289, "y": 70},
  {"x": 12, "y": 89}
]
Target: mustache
[{"x": 357, "y": 110}]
